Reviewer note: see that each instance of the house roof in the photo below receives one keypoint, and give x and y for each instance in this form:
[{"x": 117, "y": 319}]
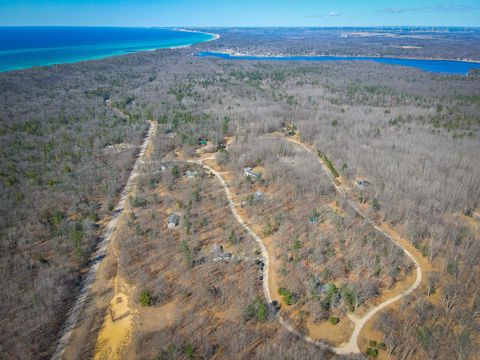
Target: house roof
[
  {"x": 258, "y": 195},
  {"x": 174, "y": 218},
  {"x": 250, "y": 172},
  {"x": 190, "y": 173}
]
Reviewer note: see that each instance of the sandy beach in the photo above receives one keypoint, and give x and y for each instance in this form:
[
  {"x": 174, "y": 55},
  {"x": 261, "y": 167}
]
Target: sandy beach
[{"x": 215, "y": 36}]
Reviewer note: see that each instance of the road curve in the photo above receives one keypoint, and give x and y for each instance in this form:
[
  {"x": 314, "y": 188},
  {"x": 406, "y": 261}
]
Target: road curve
[
  {"x": 88, "y": 281},
  {"x": 266, "y": 290},
  {"x": 352, "y": 345}
]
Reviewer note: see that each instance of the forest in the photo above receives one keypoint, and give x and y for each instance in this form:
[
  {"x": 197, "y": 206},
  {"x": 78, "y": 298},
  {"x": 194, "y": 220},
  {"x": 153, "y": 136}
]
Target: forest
[{"x": 69, "y": 135}]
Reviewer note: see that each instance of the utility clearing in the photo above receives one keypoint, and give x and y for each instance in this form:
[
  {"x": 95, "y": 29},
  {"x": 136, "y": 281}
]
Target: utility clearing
[{"x": 101, "y": 251}]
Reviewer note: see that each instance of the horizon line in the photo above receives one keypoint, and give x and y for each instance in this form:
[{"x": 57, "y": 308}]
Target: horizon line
[{"x": 255, "y": 26}]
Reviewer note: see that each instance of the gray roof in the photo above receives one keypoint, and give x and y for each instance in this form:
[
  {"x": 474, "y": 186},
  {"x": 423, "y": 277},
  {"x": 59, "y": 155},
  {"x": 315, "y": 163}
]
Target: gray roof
[
  {"x": 362, "y": 183},
  {"x": 259, "y": 195},
  {"x": 174, "y": 218}
]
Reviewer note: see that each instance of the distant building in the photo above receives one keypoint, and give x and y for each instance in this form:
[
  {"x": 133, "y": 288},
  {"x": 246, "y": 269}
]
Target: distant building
[
  {"x": 219, "y": 254},
  {"x": 190, "y": 174},
  {"x": 258, "y": 196},
  {"x": 249, "y": 172},
  {"x": 362, "y": 183},
  {"x": 222, "y": 256},
  {"x": 173, "y": 221}
]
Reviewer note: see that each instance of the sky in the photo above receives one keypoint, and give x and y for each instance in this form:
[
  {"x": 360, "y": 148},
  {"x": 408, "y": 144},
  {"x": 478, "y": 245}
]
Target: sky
[{"x": 218, "y": 13}]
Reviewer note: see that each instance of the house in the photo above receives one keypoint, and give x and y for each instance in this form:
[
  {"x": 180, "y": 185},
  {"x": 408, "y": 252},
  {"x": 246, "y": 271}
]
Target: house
[
  {"x": 249, "y": 172},
  {"x": 222, "y": 256},
  {"x": 362, "y": 183},
  {"x": 173, "y": 220},
  {"x": 190, "y": 174},
  {"x": 318, "y": 287},
  {"x": 219, "y": 254},
  {"x": 258, "y": 196}
]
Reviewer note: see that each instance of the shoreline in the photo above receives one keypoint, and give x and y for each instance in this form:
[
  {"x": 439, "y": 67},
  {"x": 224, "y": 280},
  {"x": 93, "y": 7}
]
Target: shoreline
[
  {"x": 118, "y": 53},
  {"x": 277, "y": 56},
  {"x": 215, "y": 36}
]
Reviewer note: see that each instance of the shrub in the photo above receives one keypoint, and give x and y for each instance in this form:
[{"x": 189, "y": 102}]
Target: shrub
[
  {"x": 137, "y": 201},
  {"x": 175, "y": 171},
  {"x": 373, "y": 352},
  {"x": 93, "y": 217},
  {"x": 375, "y": 204},
  {"x": 189, "y": 351},
  {"x": 232, "y": 238},
  {"x": 297, "y": 245},
  {"x": 349, "y": 297},
  {"x": 334, "y": 320},
  {"x": 152, "y": 182},
  {"x": 196, "y": 195},
  {"x": 54, "y": 218},
  {"x": 256, "y": 310},
  {"x": 146, "y": 298},
  {"x": 187, "y": 253},
  {"x": 76, "y": 233},
  {"x": 288, "y": 297},
  {"x": 267, "y": 230}
]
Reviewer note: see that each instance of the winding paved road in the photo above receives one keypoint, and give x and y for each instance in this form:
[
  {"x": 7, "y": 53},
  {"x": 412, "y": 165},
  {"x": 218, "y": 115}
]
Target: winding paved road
[{"x": 99, "y": 254}]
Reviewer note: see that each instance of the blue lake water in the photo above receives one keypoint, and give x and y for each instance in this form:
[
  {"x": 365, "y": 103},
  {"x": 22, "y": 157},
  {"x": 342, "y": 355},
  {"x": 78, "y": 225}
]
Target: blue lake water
[
  {"x": 24, "y": 47},
  {"x": 436, "y": 66}
]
